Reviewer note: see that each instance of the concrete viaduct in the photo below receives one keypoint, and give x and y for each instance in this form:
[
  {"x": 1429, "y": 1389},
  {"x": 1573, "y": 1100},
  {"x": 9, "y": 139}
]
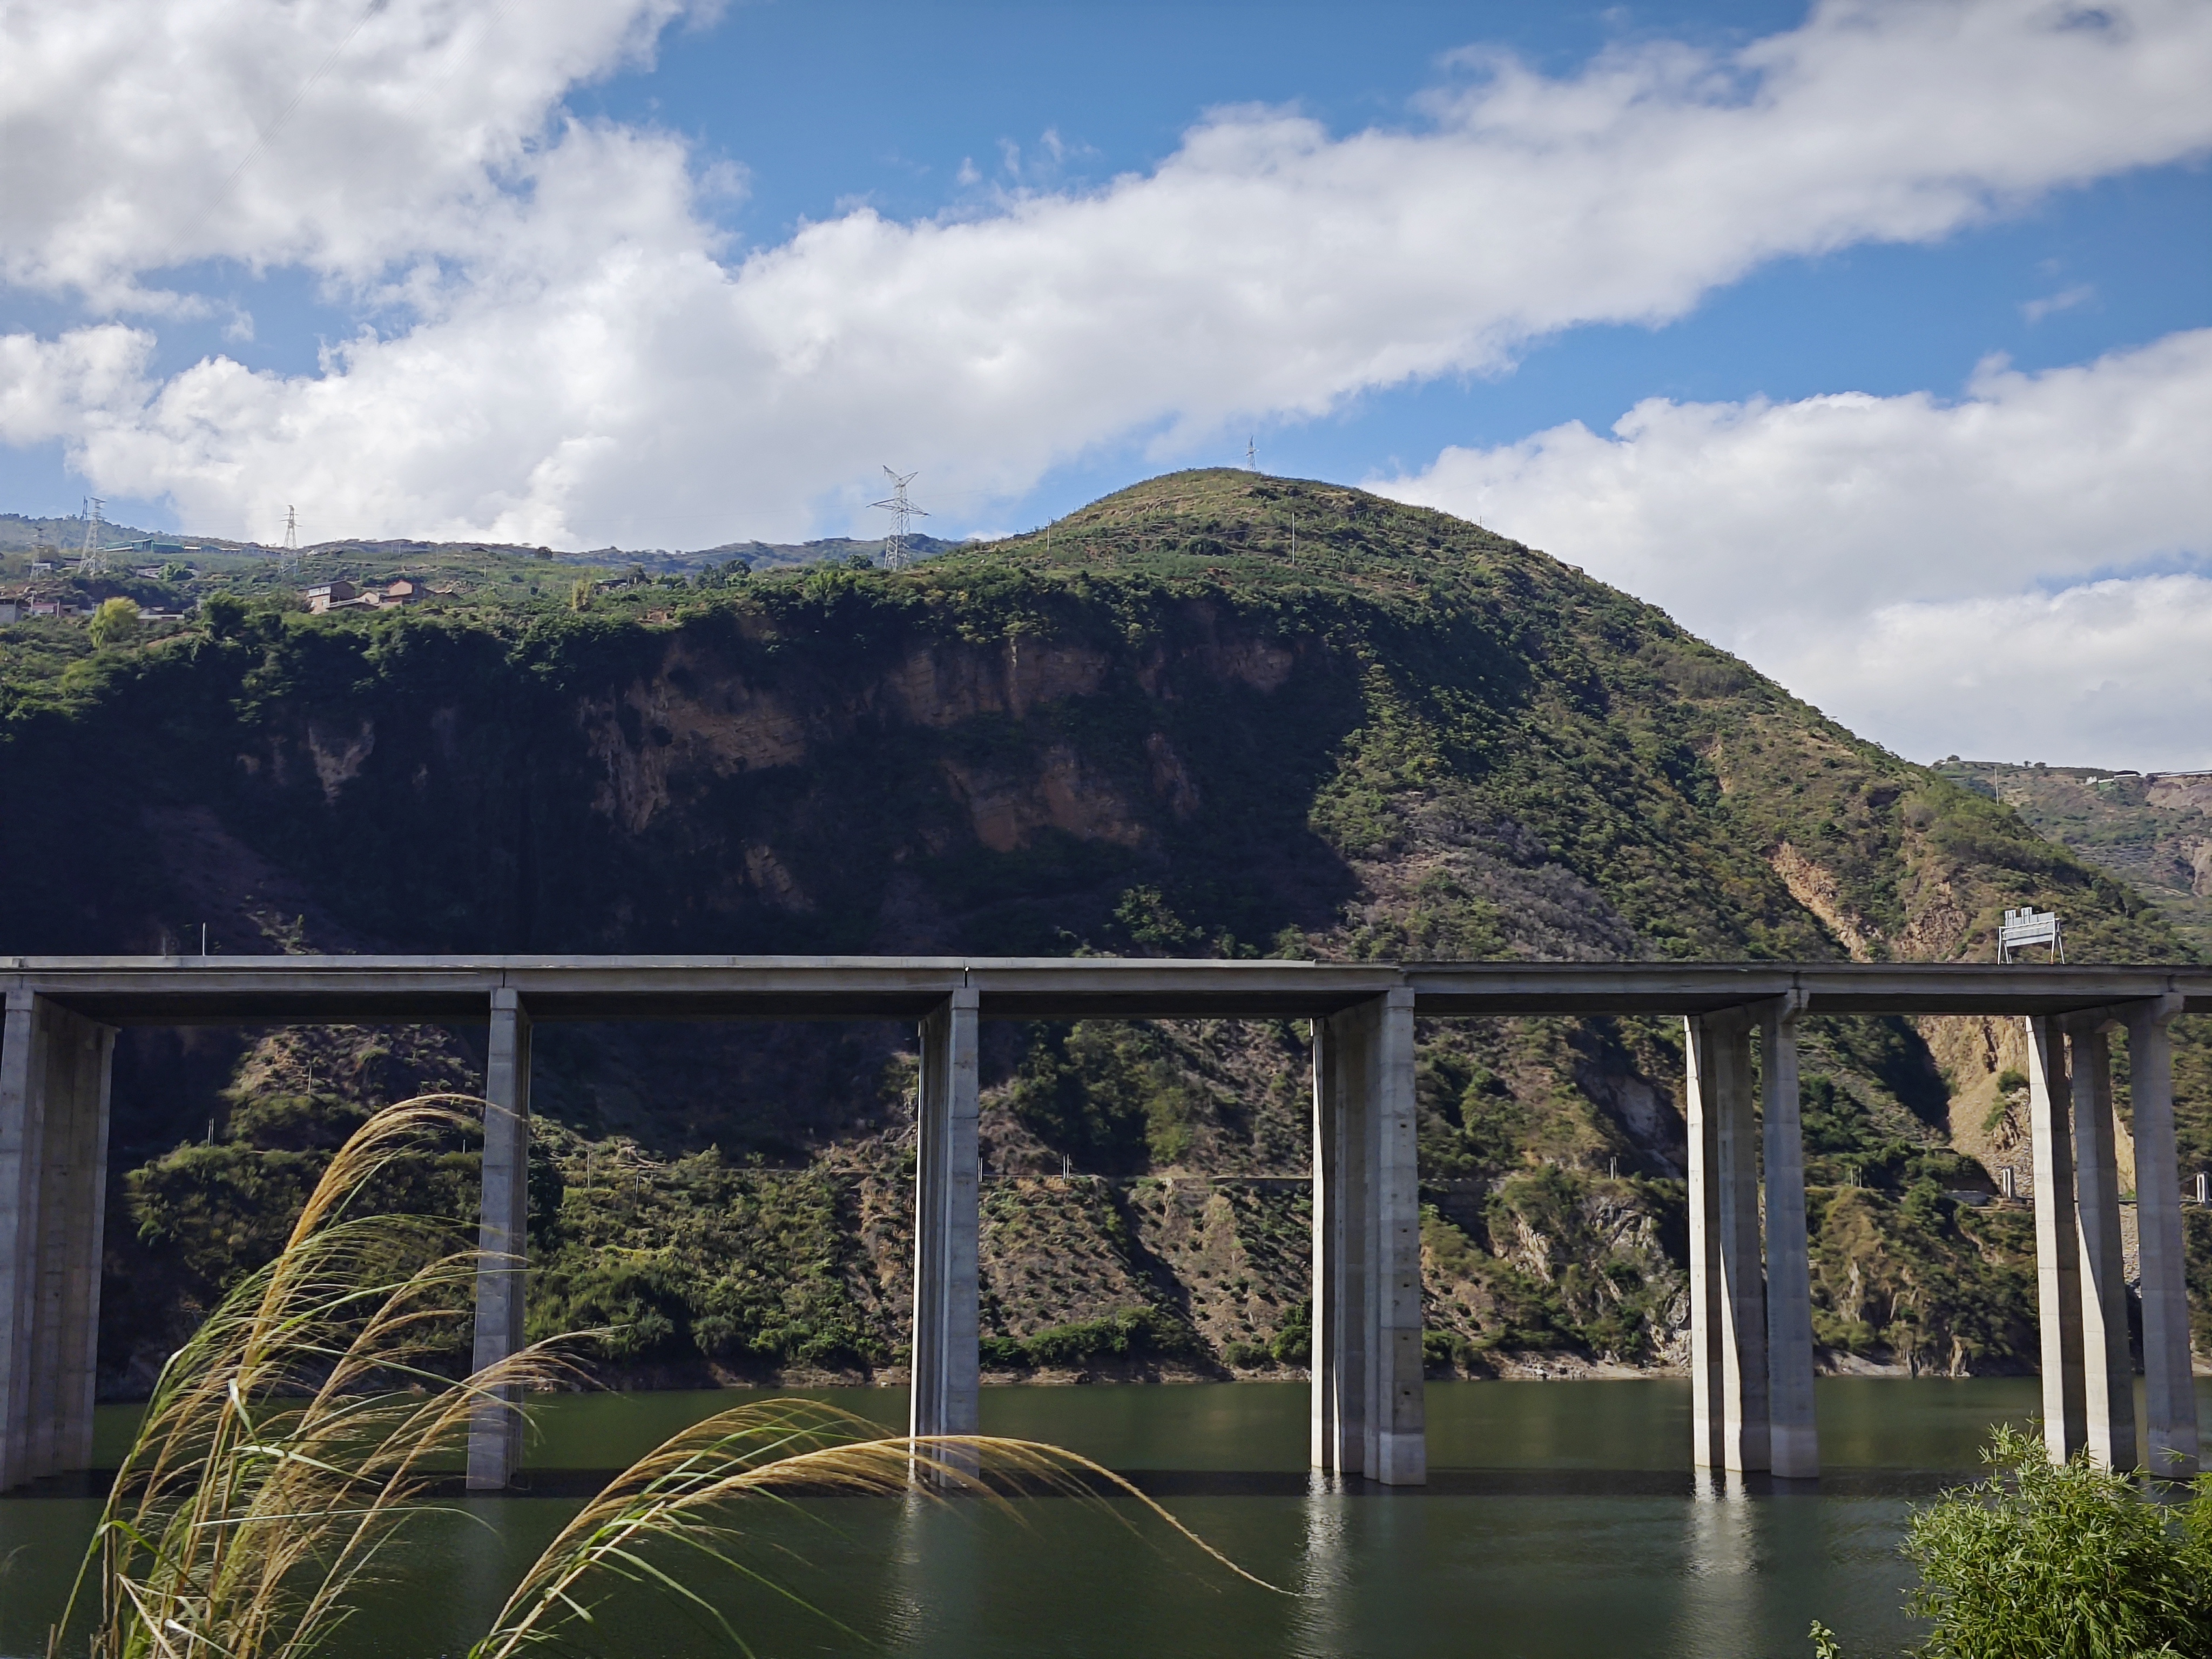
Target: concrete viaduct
[{"x": 1751, "y": 1340}]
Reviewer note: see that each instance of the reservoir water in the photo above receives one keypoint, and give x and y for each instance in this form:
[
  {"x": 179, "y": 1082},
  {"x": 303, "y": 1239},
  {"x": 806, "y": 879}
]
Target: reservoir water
[{"x": 1563, "y": 1521}]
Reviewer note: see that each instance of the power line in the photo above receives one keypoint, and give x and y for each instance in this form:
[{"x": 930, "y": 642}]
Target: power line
[{"x": 904, "y": 513}]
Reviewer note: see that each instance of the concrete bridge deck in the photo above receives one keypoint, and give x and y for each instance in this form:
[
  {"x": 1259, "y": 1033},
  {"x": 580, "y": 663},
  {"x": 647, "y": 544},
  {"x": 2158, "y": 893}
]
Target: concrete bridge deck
[
  {"x": 1751, "y": 1329},
  {"x": 325, "y": 990}
]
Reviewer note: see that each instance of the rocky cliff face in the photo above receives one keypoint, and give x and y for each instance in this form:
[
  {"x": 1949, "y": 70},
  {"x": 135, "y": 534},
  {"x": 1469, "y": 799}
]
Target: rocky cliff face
[{"x": 1164, "y": 736}]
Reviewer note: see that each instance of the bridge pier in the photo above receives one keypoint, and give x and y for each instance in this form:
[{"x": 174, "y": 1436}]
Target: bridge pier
[
  {"x": 1338, "y": 1362},
  {"x": 1729, "y": 1423},
  {"x": 2057, "y": 1240},
  {"x": 1369, "y": 1416},
  {"x": 2108, "y": 1388},
  {"x": 944, "y": 1395},
  {"x": 502, "y": 1237},
  {"x": 55, "y": 1071},
  {"x": 1793, "y": 1435},
  {"x": 2169, "y": 1385}
]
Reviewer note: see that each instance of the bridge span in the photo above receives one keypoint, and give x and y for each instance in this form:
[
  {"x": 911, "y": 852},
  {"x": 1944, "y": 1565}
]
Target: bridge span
[{"x": 1752, "y": 1360}]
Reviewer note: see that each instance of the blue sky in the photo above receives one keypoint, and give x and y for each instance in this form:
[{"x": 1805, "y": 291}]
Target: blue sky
[{"x": 1852, "y": 334}]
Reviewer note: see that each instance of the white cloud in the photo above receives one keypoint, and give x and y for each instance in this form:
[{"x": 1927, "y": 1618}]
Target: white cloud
[
  {"x": 2065, "y": 300},
  {"x": 342, "y": 136},
  {"x": 51, "y": 387},
  {"x": 2116, "y": 672},
  {"x": 573, "y": 361},
  {"x": 1943, "y": 576}
]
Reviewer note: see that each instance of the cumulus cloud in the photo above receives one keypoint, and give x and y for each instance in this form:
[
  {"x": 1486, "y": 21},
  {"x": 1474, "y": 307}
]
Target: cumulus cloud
[
  {"x": 2116, "y": 672},
  {"x": 342, "y": 136},
  {"x": 570, "y": 354},
  {"x": 1992, "y": 575}
]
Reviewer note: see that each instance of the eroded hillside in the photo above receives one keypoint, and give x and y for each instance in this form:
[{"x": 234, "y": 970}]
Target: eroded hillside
[{"x": 2152, "y": 829}]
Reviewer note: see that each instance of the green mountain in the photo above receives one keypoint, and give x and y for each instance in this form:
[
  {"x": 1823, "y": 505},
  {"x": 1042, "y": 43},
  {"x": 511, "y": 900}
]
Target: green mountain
[{"x": 1162, "y": 726}]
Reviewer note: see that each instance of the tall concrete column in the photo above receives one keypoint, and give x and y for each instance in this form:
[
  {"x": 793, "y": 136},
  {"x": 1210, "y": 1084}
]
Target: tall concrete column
[
  {"x": 72, "y": 1205},
  {"x": 1728, "y": 1293},
  {"x": 1339, "y": 1359},
  {"x": 1395, "y": 1432},
  {"x": 2169, "y": 1390},
  {"x": 943, "y": 1397},
  {"x": 54, "y": 1071},
  {"x": 2057, "y": 1241},
  {"x": 1369, "y": 1416},
  {"x": 2108, "y": 1380},
  {"x": 22, "y": 1139},
  {"x": 1794, "y": 1441},
  {"x": 502, "y": 1237}
]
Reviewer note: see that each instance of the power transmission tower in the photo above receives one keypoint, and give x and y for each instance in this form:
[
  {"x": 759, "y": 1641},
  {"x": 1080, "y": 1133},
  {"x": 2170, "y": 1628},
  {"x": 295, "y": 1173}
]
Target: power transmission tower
[
  {"x": 904, "y": 513},
  {"x": 289, "y": 559},
  {"x": 93, "y": 561},
  {"x": 1251, "y": 454}
]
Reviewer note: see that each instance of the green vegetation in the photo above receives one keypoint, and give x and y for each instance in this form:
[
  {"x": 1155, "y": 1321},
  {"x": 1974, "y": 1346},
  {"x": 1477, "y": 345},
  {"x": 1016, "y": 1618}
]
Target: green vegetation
[
  {"x": 748, "y": 1270},
  {"x": 2070, "y": 1561},
  {"x": 115, "y": 623},
  {"x": 1940, "y": 1286},
  {"x": 1137, "y": 1333},
  {"x": 1110, "y": 1094}
]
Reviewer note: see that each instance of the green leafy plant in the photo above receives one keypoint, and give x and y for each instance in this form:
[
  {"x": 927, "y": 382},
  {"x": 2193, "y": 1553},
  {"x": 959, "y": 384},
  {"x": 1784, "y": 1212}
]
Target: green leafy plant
[
  {"x": 116, "y": 623},
  {"x": 2058, "y": 1561},
  {"x": 2042, "y": 1560}
]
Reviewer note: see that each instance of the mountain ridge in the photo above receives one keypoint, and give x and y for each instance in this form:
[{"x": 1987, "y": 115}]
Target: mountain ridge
[
  {"x": 27, "y": 533},
  {"x": 1165, "y": 726}
]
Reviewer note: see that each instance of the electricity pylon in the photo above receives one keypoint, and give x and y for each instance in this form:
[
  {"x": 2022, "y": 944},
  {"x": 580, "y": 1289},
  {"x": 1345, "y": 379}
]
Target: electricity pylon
[
  {"x": 904, "y": 513},
  {"x": 93, "y": 561}
]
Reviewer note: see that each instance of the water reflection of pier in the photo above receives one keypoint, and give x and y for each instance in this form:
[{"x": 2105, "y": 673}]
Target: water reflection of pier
[{"x": 1752, "y": 1360}]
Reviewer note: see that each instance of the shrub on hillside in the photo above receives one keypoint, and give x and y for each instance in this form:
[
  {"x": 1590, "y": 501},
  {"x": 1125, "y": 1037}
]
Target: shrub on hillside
[
  {"x": 116, "y": 623},
  {"x": 2044, "y": 1561}
]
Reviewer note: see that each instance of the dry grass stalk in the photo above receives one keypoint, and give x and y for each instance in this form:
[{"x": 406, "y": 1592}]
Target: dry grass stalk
[{"x": 305, "y": 1423}]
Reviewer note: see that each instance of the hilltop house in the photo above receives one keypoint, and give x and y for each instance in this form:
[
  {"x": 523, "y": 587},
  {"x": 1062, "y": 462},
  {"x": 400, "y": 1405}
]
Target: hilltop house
[{"x": 344, "y": 596}]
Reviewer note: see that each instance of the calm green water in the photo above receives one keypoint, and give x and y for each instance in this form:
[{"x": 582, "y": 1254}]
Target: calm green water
[{"x": 1563, "y": 1522}]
